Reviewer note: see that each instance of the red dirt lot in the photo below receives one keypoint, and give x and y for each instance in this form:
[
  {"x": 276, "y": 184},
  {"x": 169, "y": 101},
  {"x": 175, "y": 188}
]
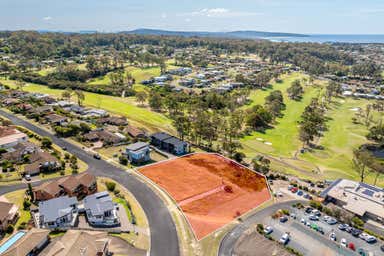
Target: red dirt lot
[{"x": 210, "y": 189}]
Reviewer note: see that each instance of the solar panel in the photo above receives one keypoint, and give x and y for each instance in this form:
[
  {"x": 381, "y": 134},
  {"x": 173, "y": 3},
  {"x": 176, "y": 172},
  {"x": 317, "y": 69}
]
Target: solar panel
[
  {"x": 367, "y": 186},
  {"x": 368, "y": 192}
]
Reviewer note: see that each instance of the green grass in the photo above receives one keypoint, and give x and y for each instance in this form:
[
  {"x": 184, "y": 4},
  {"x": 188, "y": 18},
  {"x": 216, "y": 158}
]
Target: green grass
[
  {"x": 137, "y": 116},
  {"x": 340, "y": 140},
  {"x": 124, "y": 204},
  {"x": 17, "y": 198},
  {"x": 284, "y": 135}
]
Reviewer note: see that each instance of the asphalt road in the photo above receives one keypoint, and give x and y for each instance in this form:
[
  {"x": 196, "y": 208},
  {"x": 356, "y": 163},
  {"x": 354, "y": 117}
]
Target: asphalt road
[
  {"x": 228, "y": 243},
  {"x": 164, "y": 239}
]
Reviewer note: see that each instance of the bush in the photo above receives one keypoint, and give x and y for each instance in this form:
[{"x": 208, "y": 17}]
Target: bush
[
  {"x": 116, "y": 192},
  {"x": 22, "y": 225},
  {"x": 228, "y": 189},
  {"x": 260, "y": 228},
  {"x": 123, "y": 160},
  {"x": 10, "y": 229},
  {"x": 316, "y": 205},
  {"x": 26, "y": 204},
  {"x": 110, "y": 186},
  {"x": 357, "y": 222}
]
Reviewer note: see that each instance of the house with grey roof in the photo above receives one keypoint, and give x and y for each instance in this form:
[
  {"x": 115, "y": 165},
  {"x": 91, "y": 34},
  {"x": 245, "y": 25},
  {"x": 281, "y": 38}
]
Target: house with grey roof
[
  {"x": 58, "y": 212},
  {"x": 138, "y": 152},
  {"x": 101, "y": 210}
]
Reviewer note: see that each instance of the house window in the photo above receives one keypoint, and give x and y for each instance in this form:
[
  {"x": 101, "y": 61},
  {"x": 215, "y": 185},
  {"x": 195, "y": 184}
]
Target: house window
[{"x": 107, "y": 214}]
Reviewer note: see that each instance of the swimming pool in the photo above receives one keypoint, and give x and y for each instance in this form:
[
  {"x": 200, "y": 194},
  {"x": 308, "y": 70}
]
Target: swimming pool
[{"x": 13, "y": 239}]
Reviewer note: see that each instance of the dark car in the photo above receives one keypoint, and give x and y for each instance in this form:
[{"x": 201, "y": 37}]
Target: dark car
[
  {"x": 382, "y": 247},
  {"x": 320, "y": 230},
  {"x": 97, "y": 156},
  {"x": 308, "y": 210},
  {"x": 64, "y": 148},
  {"x": 356, "y": 232},
  {"x": 283, "y": 219}
]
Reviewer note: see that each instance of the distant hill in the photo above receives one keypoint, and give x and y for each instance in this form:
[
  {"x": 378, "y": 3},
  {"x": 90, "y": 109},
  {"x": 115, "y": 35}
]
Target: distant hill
[{"x": 246, "y": 34}]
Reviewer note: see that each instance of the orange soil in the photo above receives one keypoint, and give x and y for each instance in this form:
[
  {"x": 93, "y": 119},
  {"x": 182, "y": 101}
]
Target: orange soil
[{"x": 193, "y": 175}]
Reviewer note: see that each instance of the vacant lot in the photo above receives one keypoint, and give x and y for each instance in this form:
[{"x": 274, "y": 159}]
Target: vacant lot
[{"x": 210, "y": 189}]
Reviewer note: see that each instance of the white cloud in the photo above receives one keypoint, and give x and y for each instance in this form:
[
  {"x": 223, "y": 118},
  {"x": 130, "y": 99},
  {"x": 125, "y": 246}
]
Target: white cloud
[
  {"x": 47, "y": 18},
  {"x": 219, "y": 13},
  {"x": 187, "y": 20},
  {"x": 164, "y": 15}
]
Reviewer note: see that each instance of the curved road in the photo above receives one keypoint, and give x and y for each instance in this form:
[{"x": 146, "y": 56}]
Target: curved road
[
  {"x": 164, "y": 239},
  {"x": 227, "y": 244}
]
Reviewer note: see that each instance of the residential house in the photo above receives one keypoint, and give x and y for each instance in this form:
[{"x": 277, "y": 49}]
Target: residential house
[
  {"x": 101, "y": 210},
  {"x": 17, "y": 153},
  {"x": 10, "y": 137},
  {"x": 138, "y": 152},
  {"x": 42, "y": 110},
  {"x": 30, "y": 244},
  {"x": 56, "y": 119},
  {"x": 58, "y": 212},
  {"x": 113, "y": 120},
  {"x": 135, "y": 132},
  {"x": 77, "y": 185},
  {"x": 108, "y": 138},
  {"x": 9, "y": 214},
  {"x": 11, "y": 101},
  {"x": 169, "y": 143},
  {"x": 47, "y": 190},
  {"x": 95, "y": 113},
  {"x": 41, "y": 161},
  {"x": 79, "y": 242}
]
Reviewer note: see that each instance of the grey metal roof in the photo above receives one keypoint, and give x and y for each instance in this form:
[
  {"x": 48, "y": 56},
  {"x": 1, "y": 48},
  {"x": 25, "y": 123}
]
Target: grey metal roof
[
  {"x": 174, "y": 141},
  {"x": 324, "y": 193},
  {"x": 137, "y": 146},
  {"x": 161, "y": 136},
  {"x": 98, "y": 203},
  {"x": 56, "y": 208}
]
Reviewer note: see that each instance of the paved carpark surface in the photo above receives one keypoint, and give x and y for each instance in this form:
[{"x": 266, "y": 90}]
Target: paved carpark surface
[{"x": 311, "y": 242}]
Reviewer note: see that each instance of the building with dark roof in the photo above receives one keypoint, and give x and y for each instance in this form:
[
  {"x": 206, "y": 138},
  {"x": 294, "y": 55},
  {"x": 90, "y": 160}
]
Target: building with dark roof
[
  {"x": 169, "y": 143},
  {"x": 138, "y": 152}
]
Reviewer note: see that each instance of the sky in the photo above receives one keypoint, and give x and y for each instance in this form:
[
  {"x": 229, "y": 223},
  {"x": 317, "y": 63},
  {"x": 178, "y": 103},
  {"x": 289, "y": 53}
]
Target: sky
[{"x": 296, "y": 16}]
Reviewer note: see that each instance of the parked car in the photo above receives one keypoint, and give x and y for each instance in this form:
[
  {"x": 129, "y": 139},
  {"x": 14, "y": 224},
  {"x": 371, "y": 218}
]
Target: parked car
[
  {"x": 308, "y": 210},
  {"x": 294, "y": 189},
  {"x": 343, "y": 242},
  {"x": 97, "y": 156},
  {"x": 284, "y": 239},
  {"x": 343, "y": 226},
  {"x": 356, "y": 232},
  {"x": 320, "y": 230},
  {"x": 268, "y": 230},
  {"x": 300, "y": 193},
  {"x": 307, "y": 196},
  {"x": 349, "y": 229},
  {"x": 371, "y": 239},
  {"x": 302, "y": 221},
  {"x": 332, "y": 236},
  {"x": 352, "y": 246},
  {"x": 279, "y": 194},
  {"x": 313, "y": 217},
  {"x": 309, "y": 224},
  {"x": 332, "y": 221},
  {"x": 283, "y": 219},
  {"x": 382, "y": 248},
  {"x": 316, "y": 212},
  {"x": 326, "y": 218},
  {"x": 363, "y": 236},
  {"x": 293, "y": 216}
]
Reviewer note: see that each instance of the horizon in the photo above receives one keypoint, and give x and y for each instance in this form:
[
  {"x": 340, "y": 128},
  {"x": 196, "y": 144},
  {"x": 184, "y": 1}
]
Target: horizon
[{"x": 290, "y": 16}]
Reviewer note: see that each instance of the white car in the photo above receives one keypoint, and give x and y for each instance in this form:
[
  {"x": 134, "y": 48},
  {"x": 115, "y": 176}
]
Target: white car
[
  {"x": 292, "y": 215},
  {"x": 370, "y": 239},
  {"x": 343, "y": 242},
  {"x": 302, "y": 221},
  {"x": 332, "y": 236},
  {"x": 326, "y": 218},
  {"x": 268, "y": 230},
  {"x": 363, "y": 236},
  {"x": 279, "y": 194},
  {"x": 284, "y": 239}
]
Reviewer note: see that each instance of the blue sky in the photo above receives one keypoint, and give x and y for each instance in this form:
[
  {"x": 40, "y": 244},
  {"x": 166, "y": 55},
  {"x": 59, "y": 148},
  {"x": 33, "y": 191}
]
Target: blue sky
[{"x": 300, "y": 16}]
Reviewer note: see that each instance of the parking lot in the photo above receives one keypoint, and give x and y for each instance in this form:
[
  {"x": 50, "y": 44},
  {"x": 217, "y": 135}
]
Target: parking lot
[{"x": 305, "y": 239}]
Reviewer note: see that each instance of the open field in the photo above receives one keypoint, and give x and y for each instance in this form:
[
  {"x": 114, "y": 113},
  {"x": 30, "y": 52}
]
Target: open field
[
  {"x": 138, "y": 116},
  {"x": 210, "y": 189}
]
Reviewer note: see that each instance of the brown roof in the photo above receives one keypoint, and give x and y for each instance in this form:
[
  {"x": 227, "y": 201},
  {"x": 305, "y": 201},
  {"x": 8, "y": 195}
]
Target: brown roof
[
  {"x": 51, "y": 188},
  {"x": 70, "y": 183},
  {"x": 42, "y": 157},
  {"x": 77, "y": 242},
  {"x": 134, "y": 131},
  {"x": 5, "y": 208},
  {"x": 86, "y": 179},
  {"x": 7, "y": 130},
  {"x": 27, "y": 243}
]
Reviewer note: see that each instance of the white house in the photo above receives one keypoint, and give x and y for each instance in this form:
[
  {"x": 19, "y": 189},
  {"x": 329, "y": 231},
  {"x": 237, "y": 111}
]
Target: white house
[
  {"x": 101, "y": 210},
  {"x": 10, "y": 137},
  {"x": 58, "y": 212}
]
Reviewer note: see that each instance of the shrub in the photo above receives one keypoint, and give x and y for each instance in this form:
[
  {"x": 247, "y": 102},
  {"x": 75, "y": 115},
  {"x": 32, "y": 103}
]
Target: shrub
[
  {"x": 357, "y": 222},
  {"x": 26, "y": 204},
  {"x": 10, "y": 229},
  {"x": 123, "y": 160},
  {"x": 260, "y": 228},
  {"x": 116, "y": 192},
  {"x": 110, "y": 185}
]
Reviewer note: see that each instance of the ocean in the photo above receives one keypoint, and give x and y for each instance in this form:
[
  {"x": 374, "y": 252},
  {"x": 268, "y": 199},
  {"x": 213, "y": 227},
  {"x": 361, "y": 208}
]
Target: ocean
[{"x": 377, "y": 39}]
